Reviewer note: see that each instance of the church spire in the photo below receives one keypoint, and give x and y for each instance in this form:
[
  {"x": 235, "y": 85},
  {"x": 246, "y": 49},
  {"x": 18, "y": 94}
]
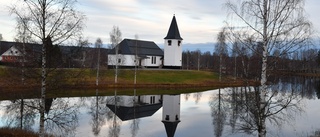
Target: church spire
[{"x": 173, "y": 32}]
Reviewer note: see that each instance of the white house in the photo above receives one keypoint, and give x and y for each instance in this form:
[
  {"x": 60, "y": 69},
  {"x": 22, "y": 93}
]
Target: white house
[
  {"x": 13, "y": 54},
  {"x": 136, "y": 52}
]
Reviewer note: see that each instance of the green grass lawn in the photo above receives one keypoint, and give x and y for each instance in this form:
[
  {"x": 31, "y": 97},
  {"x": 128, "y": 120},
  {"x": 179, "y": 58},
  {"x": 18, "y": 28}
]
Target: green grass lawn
[
  {"x": 106, "y": 76},
  {"x": 157, "y": 76},
  {"x": 175, "y": 77},
  {"x": 81, "y": 82}
]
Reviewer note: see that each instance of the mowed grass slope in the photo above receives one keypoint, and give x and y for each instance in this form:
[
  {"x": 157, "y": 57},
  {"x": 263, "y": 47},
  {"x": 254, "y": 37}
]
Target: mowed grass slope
[
  {"x": 155, "y": 76},
  {"x": 176, "y": 76},
  {"x": 87, "y": 77}
]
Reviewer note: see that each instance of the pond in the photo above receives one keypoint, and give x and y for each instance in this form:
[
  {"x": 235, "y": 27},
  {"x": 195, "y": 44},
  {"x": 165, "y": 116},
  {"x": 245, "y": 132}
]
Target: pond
[{"x": 291, "y": 109}]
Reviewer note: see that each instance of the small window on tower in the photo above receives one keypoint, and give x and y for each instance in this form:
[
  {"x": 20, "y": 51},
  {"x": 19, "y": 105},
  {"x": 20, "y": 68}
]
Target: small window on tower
[
  {"x": 169, "y": 42},
  {"x": 179, "y": 42},
  {"x": 167, "y": 117}
]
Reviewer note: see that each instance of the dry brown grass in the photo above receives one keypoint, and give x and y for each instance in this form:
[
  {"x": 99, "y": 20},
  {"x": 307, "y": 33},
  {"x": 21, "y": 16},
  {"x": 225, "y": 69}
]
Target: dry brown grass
[{"x": 15, "y": 132}]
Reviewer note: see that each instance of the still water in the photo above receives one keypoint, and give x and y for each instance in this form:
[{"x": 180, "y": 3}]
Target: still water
[{"x": 291, "y": 110}]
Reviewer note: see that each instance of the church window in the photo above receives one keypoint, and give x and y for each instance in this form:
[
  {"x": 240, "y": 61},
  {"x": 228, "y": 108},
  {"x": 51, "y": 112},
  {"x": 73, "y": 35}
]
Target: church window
[
  {"x": 169, "y": 42},
  {"x": 153, "y": 60},
  {"x": 179, "y": 43},
  {"x": 152, "y": 100},
  {"x": 119, "y": 60}
]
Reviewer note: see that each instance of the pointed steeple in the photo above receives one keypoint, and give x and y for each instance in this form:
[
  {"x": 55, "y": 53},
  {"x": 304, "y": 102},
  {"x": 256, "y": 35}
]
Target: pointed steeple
[
  {"x": 173, "y": 32},
  {"x": 170, "y": 127}
]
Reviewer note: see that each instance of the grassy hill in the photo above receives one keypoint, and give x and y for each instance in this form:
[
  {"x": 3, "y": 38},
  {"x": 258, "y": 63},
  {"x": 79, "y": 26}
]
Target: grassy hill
[
  {"x": 81, "y": 82},
  {"x": 86, "y": 78}
]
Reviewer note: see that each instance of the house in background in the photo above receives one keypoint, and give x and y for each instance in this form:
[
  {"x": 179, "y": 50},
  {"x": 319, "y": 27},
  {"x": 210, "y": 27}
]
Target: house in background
[
  {"x": 136, "y": 52},
  {"x": 12, "y": 52},
  {"x": 63, "y": 56}
]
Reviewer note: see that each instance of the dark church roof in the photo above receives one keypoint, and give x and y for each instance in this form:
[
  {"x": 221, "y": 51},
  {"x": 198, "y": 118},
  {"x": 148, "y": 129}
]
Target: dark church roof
[
  {"x": 173, "y": 32},
  {"x": 140, "y": 111},
  {"x": 143, "y": 48}
]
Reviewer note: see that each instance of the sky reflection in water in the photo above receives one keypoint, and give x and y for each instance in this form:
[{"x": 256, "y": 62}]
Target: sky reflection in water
[
  {"x": 196, "y": 120},
  {"x": 196, "y": 109}
]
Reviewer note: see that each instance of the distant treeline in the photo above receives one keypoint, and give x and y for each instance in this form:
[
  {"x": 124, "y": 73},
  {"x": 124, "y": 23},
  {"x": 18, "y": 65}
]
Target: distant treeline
[{"x": 248, "y": 64}]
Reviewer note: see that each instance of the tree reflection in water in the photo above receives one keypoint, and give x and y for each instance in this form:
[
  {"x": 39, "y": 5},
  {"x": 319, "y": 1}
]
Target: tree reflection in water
[
  {"x": 218, "y": 112},
  {"x": 135, "y": 121},
  {"x": 61, "y": 116},
  {"x": 186, "y": 96},
  {"x": 98, "y": 112},
  {"x": 246, "y": 114},
  {"x": 197, "y": 97},
  {"x": 20, "y": 113},
  {"x": 62, "y": 119},
  {"x": 115, "y": 127}
]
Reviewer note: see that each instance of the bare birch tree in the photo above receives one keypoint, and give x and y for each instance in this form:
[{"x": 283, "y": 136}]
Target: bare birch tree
[
  {"x": 98, "y": 46},
  {"x": 49, "y": 20},
  {"x": 276, "y": 24},
  {"x": 136, "y": 59},
  {"x": 115, "y": 39},
  {"x": 221, "y": 49}
]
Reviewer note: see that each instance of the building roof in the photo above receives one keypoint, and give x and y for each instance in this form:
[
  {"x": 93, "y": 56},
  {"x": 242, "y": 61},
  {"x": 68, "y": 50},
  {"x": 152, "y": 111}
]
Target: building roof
[
  {"x": 140, "y": 111},
  {"x": 173, "y": 32},
  {"x": 30, "y": 47},
  {"x": 4, "y": 46},
  {"x": 142, "y": 48}
]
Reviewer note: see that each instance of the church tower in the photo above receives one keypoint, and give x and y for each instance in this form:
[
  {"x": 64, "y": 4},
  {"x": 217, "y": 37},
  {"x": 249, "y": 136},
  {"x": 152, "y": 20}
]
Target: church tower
[
  {"x": 171, "y": 113},
  {"x": 173, "y": 46}
]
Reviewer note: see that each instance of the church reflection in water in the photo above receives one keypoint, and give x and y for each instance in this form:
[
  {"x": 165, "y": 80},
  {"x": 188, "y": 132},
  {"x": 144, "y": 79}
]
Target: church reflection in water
[{"x": 135, "y": 107}]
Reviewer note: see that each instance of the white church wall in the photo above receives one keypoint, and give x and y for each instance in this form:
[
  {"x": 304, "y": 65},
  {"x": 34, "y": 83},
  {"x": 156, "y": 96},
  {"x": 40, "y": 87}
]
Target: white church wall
[
  {"x": 128, "y": 101},
  {"x": 128, "y": 60},
  {"x": 152, "y": 61},
  {"x": 123, "y": 60}
]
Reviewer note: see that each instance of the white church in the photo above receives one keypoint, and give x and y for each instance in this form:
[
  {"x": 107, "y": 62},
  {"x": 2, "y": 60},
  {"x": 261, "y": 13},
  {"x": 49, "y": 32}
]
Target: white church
[{"x": 143, "y": 54}]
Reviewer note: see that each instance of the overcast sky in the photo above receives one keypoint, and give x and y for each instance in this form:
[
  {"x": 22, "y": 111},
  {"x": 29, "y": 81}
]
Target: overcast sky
[{"x": 198, "y": 20}]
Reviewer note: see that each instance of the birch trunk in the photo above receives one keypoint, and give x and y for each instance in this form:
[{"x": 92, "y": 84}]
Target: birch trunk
[
  {"x": 98, "y": 66},
  {"x": 43, "y": 90},
  {"x": 262, "y": 119},
  {"x": 43, "y": 69},
  {"x": 117, "y": 63}
]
